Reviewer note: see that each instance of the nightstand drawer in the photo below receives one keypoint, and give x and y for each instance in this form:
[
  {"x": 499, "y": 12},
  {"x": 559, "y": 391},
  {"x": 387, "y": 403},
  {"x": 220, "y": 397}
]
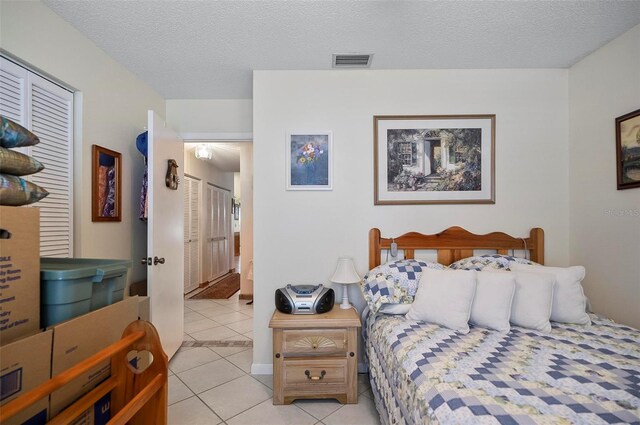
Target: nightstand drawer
[
  {"x": 315, "y": 372},
  {"x": 314, "y": 341}
]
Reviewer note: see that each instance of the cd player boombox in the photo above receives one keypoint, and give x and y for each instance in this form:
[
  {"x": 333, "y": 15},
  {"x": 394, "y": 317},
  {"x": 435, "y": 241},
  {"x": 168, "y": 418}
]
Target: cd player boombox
[{"x": 304, "y": 299}]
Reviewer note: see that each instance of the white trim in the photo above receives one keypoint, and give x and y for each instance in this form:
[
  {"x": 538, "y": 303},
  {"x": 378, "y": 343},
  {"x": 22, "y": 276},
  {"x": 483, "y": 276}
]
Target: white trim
[
  {"x": 217, "y": 137},
  {"x": 261, "y": 369}
]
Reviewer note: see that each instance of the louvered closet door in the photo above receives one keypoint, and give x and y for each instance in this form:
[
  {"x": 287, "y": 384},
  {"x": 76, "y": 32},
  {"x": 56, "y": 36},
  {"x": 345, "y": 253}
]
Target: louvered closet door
[
  {"x": 191, "y": 233},
  {"x": 47, "y": 110}
]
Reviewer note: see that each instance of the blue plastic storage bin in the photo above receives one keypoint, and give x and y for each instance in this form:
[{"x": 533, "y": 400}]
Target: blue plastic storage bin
[{"x": 70, "y": 287}]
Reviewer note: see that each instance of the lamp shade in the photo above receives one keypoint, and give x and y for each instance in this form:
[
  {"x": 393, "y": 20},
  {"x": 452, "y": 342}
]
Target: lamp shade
[{"x": 345, "y": 272}]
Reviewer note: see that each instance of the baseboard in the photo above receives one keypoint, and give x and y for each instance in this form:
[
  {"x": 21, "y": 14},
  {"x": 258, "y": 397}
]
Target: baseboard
[
  {"x": 261, "y": 369},
  {"x": 246, "y": 296}
]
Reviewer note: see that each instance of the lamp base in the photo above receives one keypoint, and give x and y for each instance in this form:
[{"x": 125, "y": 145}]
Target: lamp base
[{"x": 345, "y": 298}]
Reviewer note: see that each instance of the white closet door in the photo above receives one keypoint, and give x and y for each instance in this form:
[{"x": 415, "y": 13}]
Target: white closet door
[
  {"x": 217, "y": 232},
  {"x": 191, "y": 233}
]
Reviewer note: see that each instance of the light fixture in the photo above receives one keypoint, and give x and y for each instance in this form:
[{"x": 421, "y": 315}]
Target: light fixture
[
  {"x": 345, "y": 274},
  {"x": 203, "y": 152}
]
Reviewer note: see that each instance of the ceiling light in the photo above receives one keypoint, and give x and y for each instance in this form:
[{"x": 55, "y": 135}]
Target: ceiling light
[{"x": 203, "y": 152}]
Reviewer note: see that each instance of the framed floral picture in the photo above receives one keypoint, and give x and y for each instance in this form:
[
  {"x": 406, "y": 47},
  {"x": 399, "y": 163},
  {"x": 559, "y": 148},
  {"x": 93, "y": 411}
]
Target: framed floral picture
[
  {"x": 434, "y": 159},
  {"x": 628, "y": 150},
  {"x": 309, "y": 157}
]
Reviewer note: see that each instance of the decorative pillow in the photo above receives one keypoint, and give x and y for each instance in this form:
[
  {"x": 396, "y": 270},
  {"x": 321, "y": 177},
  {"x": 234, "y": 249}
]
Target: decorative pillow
[
  {"x": 531, "y": 307},
  {"x": 18, "y": 164},
  {"x": 13, "y": 135},
  {"x": 489, "y": 261},
  {"x": 394, "y": 283},
  {"x": 15, "y": 191},
  {"x": 491, "y": 306},
  {"x": 444, "y": 298},
  {"x": 569, "y": 302}
]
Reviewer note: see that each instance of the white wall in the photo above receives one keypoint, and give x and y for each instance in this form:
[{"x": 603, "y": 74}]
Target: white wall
[
  {"x": 210, "y": 115},
  {"x": 207, "y": 173},
  {"x": 605, "y": 222},
  {"x": 114, "y": 112},
  {"x": 298, "y": 236}
]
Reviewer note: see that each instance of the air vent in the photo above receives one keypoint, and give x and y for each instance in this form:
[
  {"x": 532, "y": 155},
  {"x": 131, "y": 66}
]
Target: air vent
[{"x": 352, "y": 60}]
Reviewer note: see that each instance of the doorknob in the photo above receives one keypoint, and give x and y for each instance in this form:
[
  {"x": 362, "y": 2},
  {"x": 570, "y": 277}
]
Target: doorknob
[
  {"x": 146, "y": 261},
  {"x": 157, "y": 261}
]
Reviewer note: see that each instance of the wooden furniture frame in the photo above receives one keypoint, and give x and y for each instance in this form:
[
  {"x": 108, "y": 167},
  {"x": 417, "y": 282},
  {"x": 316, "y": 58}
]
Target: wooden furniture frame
[
  {"x": 315, "y": 356},
  {"x": 96, "y": 215},
  {"x": 136, "y": 398},
  {"x": 456, "y": 243}
]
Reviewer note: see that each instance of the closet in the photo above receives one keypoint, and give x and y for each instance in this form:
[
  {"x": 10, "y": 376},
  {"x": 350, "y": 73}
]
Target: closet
[
  {"x": 218, "y": 229},
  {"x": 191, "y": 233}
]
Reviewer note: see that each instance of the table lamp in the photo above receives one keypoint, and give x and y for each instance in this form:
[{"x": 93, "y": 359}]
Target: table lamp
[{"x": 345, "y": 274}]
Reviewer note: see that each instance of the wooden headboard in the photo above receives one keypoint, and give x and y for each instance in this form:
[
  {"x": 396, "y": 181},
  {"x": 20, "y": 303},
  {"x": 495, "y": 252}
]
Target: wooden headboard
[{"x": 456, "y": 243}]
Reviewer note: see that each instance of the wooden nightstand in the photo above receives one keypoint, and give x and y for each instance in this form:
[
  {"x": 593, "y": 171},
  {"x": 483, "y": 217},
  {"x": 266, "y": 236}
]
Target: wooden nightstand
[{"x": 315, "y": 356}]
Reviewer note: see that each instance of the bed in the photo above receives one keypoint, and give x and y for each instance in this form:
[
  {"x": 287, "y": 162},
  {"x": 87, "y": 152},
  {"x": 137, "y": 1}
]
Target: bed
[{"x": 423, "y": 373}]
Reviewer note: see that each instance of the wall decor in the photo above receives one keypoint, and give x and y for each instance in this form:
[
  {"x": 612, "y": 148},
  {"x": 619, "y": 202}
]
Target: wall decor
[
  {"x": 628, "y": 150},
  {"x": 309, "y": 157},
  {"x": 171, "y": 180},
  {"x": 434, "y": 159},
  {"x": 106, "y": 184}
]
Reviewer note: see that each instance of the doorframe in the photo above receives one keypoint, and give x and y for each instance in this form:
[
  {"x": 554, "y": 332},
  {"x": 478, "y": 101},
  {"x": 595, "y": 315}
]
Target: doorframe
[{"x": 199, "y": 279}]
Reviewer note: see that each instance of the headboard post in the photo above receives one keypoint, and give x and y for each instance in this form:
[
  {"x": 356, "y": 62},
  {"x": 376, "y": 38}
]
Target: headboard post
[
  {"x": 537, "y": 240},
  {"x": 374, "y": 248}
]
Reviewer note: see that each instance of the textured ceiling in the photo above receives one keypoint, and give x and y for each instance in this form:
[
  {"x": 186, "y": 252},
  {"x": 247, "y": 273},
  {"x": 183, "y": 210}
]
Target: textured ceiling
[{"x": 208, "y": 49}]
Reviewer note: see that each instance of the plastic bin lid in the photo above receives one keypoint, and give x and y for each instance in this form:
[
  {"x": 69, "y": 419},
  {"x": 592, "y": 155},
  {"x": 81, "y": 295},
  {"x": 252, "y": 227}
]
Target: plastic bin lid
[{"x": 77, "y": 268}]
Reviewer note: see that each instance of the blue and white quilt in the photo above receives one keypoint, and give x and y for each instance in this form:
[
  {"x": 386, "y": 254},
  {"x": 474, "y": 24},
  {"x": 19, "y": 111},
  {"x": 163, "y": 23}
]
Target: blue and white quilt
[{"x": 425, "y": 374}]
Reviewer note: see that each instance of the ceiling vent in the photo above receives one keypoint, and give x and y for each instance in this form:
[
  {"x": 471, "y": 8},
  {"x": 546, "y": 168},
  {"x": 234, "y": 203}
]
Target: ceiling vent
[{"x": 352, "y": 60}]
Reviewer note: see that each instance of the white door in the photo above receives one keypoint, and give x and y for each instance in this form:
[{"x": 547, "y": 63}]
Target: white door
[
  {"x": 191, "y": 233},
  {"x": 218, "y": 202},
  {"x": 165, "y": 235}
]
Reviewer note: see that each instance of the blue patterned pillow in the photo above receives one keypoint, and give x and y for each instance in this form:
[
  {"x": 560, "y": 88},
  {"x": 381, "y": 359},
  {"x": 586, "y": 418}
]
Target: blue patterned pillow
[
  {"x": 394, "y": 283},
  {"x": 490, "y": 261}
]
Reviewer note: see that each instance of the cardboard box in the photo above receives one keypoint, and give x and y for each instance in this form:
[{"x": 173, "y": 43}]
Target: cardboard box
[
  {"x": 144, "y": 309},
  {"x": 25, "y": 364},
  {"x": 19, "y": 272},
  {"x": 78, "y": 339}
]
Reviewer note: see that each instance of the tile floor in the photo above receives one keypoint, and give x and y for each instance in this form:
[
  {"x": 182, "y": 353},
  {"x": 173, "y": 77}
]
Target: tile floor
[{"x": 213, "y": 385}]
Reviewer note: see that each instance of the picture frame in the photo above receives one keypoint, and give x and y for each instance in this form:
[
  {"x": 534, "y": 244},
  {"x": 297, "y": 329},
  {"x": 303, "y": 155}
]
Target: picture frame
[
  {"x": 628, "y": 150},
  {"x": 309, "y": 160},
  {"x": 434, "y": 159},
  {"x": 106, "y": 184}
]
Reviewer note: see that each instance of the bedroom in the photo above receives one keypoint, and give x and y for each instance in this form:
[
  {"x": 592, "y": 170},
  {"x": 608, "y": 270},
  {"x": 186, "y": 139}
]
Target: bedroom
[{"x": 555, "y": 163}]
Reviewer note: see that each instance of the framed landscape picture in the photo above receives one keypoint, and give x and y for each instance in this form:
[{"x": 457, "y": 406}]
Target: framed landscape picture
[
  {"x": 434, "y": 159},
  {"x": 309, "y": 160},
  {"x": 628, "y": 150}
]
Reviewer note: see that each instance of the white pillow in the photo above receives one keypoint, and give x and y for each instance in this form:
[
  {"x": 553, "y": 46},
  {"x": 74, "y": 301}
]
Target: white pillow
[
  {"x": 531, "y": 307},
  {"x": 394, "y": 308},
  {"x": 444, "y": 297},
  {"x": 491, "y": 306},
  {"x": 569, "y": 302}
]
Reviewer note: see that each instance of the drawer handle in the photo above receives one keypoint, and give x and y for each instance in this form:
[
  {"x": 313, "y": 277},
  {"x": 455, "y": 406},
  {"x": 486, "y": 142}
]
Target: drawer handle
[{"x": 315, "y": 378}]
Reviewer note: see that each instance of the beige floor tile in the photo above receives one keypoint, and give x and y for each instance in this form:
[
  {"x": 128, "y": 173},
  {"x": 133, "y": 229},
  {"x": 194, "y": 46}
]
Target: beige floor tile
[
  {"x": 266, "y": 413},
  {"x": 230, "y": 317},
  {"x": 242, "y": 326},
  {"x": 237, "y": 337},
  {"x": 368, "y": 394},
  {"x": 227, "y": 351},
  {"x": 209, "y": 375},
  {"x": 185, "y": 360},
  {"x": 265, "y": 379},
  {"x": 355, "y": 414},
  {"x": 192, "y": 411},
  {"x": 227, "y": 400},
  {"x": 192, "y": 316},
  {"x": 201, "y": 305},
  {"x": 319, "y": 409},
  {"x": 215, "y": 310},
  {"x": 243, "y": 360},
  {"x": 199, "y": 325},
  {"x": 248, "y": 334},
  {"x": 214, "y": 334},
  {"x": 363, "y": 383},
  {"x": 178, "y": 391},
  {"x": 187, "y": 337}
]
